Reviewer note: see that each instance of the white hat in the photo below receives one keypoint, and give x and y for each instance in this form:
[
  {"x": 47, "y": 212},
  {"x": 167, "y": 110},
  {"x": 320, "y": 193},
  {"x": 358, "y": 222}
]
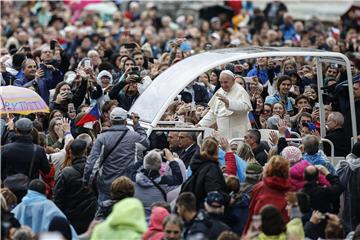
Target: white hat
[
  {"x": 228, "y": 72},
  {"x": 118, "y": 114}
]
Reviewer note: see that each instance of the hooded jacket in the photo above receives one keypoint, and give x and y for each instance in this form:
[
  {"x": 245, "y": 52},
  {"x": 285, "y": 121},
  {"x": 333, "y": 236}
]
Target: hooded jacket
[
  {"x": 206, "y": 177},
  {"x": 77, "y": 202},
  {"x": 319, "y": 159},
  {"x": 126, "y": 222},
  {"x": 349, "y": 174},
  {"x": 119, "y": 161},
  {"x": 296, "y": 176},
  {"x": 36, "y": 211},
  {"x": 271, "y": 190},
  {"x": 147, "y": 192},
  {"x": 155, "y": 229},
  {"x": 105, "y": 97}
]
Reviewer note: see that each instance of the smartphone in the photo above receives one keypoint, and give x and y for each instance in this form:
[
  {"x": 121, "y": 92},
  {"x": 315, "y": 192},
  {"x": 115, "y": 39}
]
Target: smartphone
[
  {"x": 71, "y": 108},
  {"x": 317, "y": 106},
  {"x": 52, "y": 44},
  {"x": 307, "y": 88},
  {"x": 130, "y": 45},
  {"x": 87, "y": 63},
  {"x": 208, "y": 46}
]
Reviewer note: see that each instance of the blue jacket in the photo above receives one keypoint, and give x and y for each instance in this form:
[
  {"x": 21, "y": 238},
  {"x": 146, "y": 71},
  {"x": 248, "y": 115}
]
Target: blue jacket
[
  {"x": 320, "y": 159},
  {"x": 288, "y": 32},
  {"x": 262, "y": 74},
  {"x": 240, "y": 164},
  {"x": 36, "y": 211},
  {"x": 43, "y": 84},
  {"x": 277, "y": 98}
]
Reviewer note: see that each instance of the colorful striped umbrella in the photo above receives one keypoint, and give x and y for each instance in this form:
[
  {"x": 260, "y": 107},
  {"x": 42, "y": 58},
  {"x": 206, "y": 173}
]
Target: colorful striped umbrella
[{"x": 21, "y": 100}]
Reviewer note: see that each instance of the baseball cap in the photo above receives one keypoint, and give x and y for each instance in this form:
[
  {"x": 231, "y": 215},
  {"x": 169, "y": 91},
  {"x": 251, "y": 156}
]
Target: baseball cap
[
  {"x": 118, "y": 114},
  {"x": 24, "y": 125},
  {"x": 215, "y": 199}
]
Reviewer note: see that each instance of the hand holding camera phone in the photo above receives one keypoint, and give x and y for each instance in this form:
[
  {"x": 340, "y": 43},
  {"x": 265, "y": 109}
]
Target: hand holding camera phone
[{"x": 52, "y": 44}]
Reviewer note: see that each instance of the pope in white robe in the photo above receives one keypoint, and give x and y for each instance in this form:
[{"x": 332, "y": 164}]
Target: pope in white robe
[{"x": 229, "y": 108}]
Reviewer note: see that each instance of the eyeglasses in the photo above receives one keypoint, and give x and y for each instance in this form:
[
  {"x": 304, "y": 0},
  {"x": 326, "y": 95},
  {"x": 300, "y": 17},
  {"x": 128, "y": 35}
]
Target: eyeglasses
[{"x": 173, "y": 232}]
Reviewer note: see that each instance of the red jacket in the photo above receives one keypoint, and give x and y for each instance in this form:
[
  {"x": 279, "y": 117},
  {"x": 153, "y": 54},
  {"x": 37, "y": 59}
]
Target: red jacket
[
  {"x": 230, "y": 163},
  {"x": 271, "y": 190}
]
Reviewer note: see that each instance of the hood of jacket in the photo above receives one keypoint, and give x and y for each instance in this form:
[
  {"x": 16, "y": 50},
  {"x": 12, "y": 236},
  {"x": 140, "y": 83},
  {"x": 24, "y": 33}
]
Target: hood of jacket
[
  {"x": 104, "y": 73},
  {"x": 263, "y": 236},
  {"x": 354, "y": 161},
  {"x": 144, "y": 181},
  {"x": 277, "y": 183},
  {"x": 317, "y": 159},
  {"x": 33, "y": 196},
  {"x": 158, "y": 214},
  {"x": 128, "y": 214},
  {"x": 296, "y": 176},
  {"x": 199, "y": 161}
]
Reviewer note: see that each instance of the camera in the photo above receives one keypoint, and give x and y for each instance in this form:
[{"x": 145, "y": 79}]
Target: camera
[
  {"x": 162, "y": 153},
  {"x": 87, "y": 63},
  {"x": 324, "y": 217},
  {"x": 135, "y": 69}
]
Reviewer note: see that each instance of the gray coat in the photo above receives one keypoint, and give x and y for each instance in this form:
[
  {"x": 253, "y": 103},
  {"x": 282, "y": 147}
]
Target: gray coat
[
  {"x": 147, "y": 192},
  {"x": 120, "y": 160}
]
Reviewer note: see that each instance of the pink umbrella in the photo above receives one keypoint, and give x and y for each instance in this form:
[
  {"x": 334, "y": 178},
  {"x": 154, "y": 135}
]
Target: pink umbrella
[{"x": 21, "y": 100}]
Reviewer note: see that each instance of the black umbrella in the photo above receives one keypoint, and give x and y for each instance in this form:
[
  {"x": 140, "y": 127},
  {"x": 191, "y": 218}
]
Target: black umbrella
[{"x": 214, "y": 11}]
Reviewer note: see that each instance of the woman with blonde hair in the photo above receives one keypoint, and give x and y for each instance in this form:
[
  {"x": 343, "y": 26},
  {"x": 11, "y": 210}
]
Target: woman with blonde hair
[
  {"x": 272, "y": 189},
  {"x": 245, "y": 153},
  {"x": 206, "y": 173}
]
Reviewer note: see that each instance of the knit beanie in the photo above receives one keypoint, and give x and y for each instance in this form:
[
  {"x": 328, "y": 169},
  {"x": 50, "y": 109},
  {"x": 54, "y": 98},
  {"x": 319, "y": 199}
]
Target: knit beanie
[
  {"x": 293, "y": 154},
  {"x": 254, "y": 168}
]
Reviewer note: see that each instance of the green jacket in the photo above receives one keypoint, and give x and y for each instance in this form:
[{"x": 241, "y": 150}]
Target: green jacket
[
  {"x": 294, "y": 228},
  {"x": 126, "y": 222}
]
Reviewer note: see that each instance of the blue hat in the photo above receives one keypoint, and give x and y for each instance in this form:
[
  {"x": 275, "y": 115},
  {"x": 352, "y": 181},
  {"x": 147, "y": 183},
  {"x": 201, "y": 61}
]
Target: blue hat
[
  {"x": 215, "y": 199},
  {"x": 310, "y": 125},
  {"x": 185, "y": 47}
]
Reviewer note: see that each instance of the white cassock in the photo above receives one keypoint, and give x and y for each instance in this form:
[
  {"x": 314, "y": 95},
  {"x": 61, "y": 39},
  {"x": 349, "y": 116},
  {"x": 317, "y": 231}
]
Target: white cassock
[{"x": 232, "y": 121}]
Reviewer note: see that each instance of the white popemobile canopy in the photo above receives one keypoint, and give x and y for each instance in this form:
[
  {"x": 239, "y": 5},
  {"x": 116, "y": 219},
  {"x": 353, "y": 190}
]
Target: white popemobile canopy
[{"x": 152, "y": 104}]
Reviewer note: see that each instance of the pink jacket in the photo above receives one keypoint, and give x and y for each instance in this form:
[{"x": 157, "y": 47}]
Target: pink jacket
[
  {"x": 155, "y": 230},
  {"x": 296, "y": 177}
]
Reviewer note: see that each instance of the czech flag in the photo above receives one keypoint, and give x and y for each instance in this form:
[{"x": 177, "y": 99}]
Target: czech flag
[{"x": 92, "y": 115}]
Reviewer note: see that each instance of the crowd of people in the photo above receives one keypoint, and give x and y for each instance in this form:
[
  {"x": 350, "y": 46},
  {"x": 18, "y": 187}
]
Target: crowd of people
[{"x": 64, "y": 177}]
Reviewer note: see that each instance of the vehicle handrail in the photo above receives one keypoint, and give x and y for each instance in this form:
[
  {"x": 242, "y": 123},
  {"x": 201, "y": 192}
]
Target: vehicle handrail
[{"x": 332, "y": 149}]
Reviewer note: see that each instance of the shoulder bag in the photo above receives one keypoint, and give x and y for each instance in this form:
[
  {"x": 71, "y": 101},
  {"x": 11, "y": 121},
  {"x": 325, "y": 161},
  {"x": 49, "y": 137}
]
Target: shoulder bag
[
  {"x": 100, "y": 161},
  {"x": 158, "y": 187}
]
